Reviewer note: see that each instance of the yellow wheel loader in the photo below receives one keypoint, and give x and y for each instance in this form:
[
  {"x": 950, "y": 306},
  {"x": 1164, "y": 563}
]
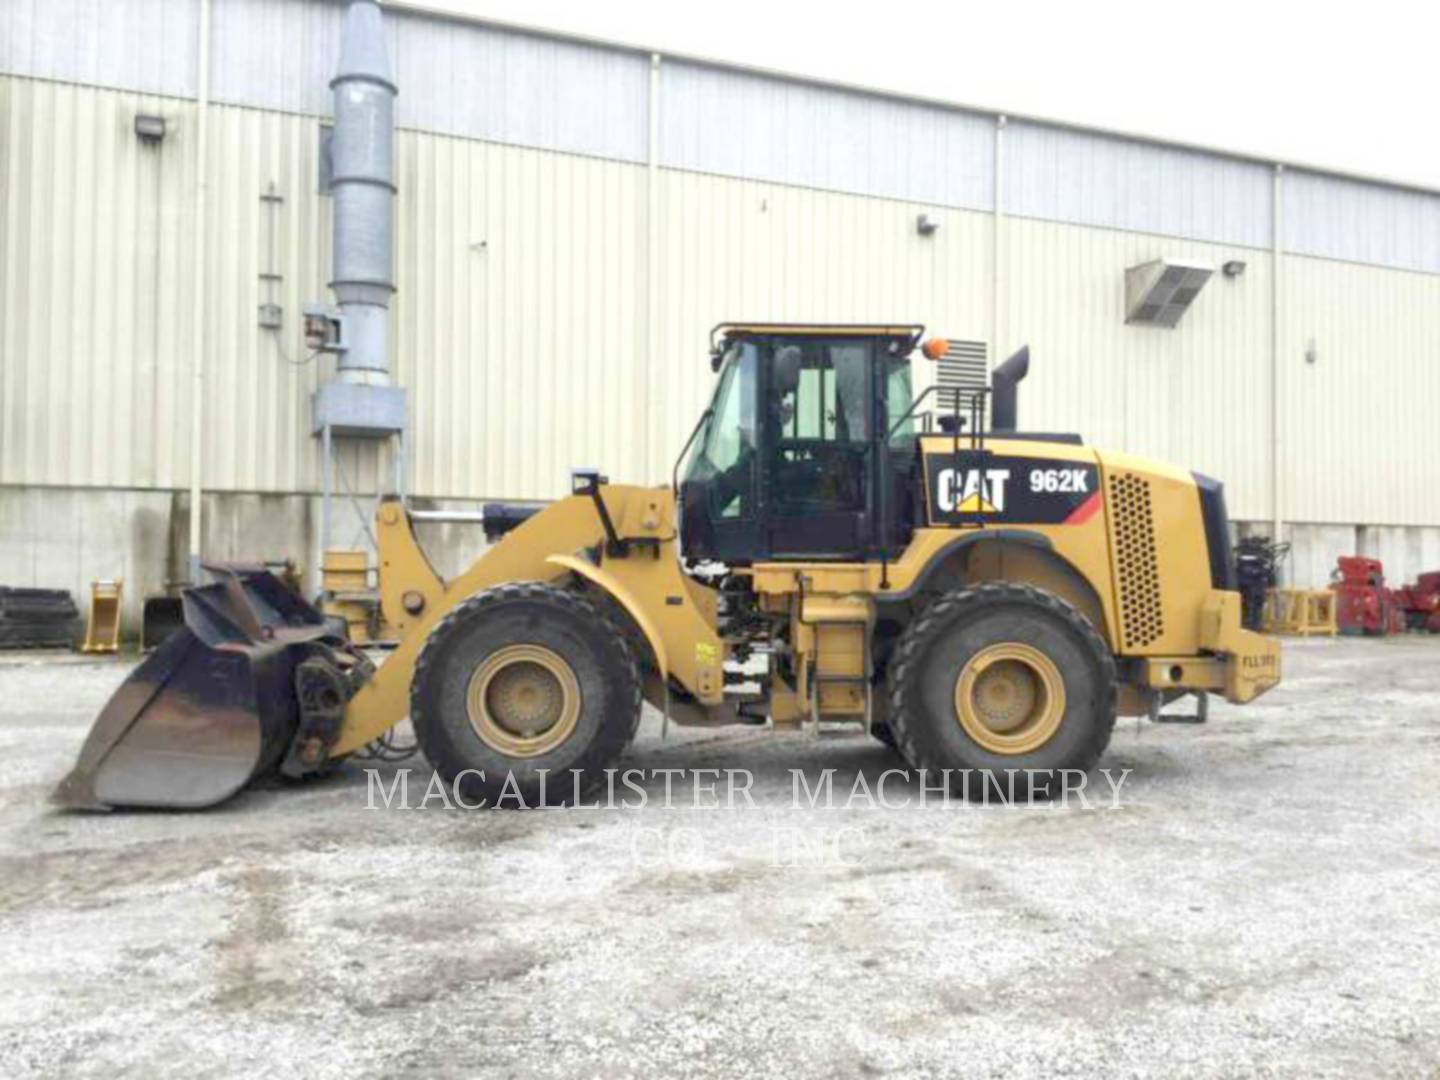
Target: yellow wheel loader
[{"x": 831, "y": 548}]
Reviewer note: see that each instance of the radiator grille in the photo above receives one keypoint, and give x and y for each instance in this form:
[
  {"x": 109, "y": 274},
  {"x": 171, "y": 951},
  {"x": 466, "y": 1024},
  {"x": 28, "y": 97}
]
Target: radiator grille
[{"x": 1141, "y": 613}]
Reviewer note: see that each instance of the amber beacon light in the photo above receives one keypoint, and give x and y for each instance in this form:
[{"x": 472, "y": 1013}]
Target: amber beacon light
[{"x": 935, "y": 348}]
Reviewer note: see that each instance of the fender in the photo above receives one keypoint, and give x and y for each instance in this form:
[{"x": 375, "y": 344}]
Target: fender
[
  {"x": 960, "y": 543},
  {"x": 1048, "y": 567},
  {"x": 624, "y": 597}
]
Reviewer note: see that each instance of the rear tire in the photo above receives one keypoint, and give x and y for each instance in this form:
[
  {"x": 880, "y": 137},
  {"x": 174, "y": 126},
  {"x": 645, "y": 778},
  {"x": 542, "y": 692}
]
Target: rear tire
[
  {"x": 998, "y": 679},
  {"x": 524, "y": 689}
]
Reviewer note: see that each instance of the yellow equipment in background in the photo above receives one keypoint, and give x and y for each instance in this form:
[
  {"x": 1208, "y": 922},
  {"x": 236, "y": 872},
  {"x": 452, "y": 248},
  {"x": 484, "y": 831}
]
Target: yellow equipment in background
[
  {"x": 102, "y": 628},
  {"x": 983, "y": 599},
  {"x": 1301, "y": 612},
  {"x": 347, "y": 594}
]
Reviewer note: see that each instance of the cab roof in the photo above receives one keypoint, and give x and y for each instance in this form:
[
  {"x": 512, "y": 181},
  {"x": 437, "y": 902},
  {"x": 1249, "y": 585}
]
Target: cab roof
[{"x": 726, "y": 331}]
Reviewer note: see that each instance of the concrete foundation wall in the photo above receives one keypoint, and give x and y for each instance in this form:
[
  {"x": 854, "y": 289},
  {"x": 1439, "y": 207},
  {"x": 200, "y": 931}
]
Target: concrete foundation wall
[{"x": 66, "y": 538}]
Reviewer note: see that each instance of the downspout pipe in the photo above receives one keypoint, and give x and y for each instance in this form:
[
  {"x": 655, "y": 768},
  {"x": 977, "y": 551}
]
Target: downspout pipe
[
  {"x": 1277, "y": 389},
  {"x": 652, "y": 250},
  {"x": 997, "y": 242},
  {"x": 197, "y": 277}
]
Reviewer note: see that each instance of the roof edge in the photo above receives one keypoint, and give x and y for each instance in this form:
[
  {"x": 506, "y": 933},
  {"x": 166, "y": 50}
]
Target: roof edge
[{"x": 418, "y": 7}]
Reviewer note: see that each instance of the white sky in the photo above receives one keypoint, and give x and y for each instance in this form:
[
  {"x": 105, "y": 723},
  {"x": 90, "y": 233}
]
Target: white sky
[{"x": 1350, "y": 86}]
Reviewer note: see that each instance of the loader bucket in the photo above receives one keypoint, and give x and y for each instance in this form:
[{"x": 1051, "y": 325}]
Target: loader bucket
[
  {"x": 160, "y": 617},
  {"x": 213, "y": 707}
]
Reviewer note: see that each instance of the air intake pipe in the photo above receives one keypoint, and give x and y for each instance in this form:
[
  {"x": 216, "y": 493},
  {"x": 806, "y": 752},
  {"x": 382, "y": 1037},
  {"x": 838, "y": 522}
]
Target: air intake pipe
[{"x": 1004, "y": 381}]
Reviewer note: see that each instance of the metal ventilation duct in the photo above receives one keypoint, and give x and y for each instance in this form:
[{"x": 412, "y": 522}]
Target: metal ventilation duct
[
  {"x": 361, "y": 401},
  {"x": 363, "y": 184},
  {"x": 1158, "y": 293}
]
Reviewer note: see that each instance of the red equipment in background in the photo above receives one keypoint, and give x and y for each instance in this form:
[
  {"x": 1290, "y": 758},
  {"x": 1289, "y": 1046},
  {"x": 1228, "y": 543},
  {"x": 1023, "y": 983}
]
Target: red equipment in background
[
  {"x": 1420, "y": 603},
  {"x": 1363, "y": 605}
]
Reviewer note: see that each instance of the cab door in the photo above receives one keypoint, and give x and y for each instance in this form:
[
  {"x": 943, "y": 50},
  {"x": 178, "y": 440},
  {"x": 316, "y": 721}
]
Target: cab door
[{"x": 818, "y": 420}]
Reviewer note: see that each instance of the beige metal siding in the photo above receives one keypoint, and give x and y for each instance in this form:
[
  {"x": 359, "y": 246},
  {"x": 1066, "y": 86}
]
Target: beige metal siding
[
  {"x": 744, "y": 250},
  {"x": 98, "y": 272},
  {"x": 516, "y": 320},
  {"x": 520, "y": 286},
  {"x": 93, "y": 287},
  {"x": 1361, "y": 442},
  {"x": 521, "y": 317},
  {"x": 519, "y": 320},
  {"x": 473, "y": 79},
  {"x": 1197, "y": 395}
]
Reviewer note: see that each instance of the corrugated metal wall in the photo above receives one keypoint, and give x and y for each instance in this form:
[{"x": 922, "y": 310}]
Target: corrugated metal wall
[
  {"x": 737, "y": 250},
  {"x": 1336, "y": 218},
  {"x": 518, "y": 315},
  {"x": 456, "y": 78},
  {"x": 1198, "y": 395},
  {"x": 1087, "y": 179},
  {"x": 521, "y": 320},
  {"x": 95, "y": 293},
  {"x": 276, "y": 54},
  {"x": 735, "y": 124},
  {"x": 516, "y": 326},
  {"x": 144, "y": 45},
  {"x": 1360, "y": 438}
]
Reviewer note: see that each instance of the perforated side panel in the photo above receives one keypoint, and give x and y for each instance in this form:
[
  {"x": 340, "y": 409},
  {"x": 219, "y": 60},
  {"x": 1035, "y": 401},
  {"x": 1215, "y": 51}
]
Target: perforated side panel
[{"x": 1141, "y": 611}]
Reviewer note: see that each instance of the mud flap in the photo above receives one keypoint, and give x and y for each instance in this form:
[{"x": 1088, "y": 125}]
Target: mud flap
[{"x": 256, "y": 677}]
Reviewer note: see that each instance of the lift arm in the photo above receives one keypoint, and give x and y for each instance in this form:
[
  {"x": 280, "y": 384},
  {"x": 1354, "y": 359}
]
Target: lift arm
[{"x": 676, "y": 615}]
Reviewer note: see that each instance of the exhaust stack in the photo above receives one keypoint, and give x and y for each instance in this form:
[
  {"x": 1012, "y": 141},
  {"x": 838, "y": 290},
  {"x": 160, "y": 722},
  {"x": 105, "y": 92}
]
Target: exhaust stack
[{"x": 1004, "y": 383}]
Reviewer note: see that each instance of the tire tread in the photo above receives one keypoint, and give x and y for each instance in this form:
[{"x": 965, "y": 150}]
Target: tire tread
[
  {"x": 566, "y": 604},
  {"x": 934, "y": 620}
]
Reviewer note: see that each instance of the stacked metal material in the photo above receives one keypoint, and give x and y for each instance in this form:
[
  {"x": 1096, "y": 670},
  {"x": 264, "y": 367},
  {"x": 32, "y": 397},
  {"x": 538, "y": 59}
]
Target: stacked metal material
[{"x": 37, "y": 618}]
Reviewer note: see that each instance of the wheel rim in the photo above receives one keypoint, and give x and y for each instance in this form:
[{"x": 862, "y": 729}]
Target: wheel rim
[
  {"x": 1010, "y": 698},
  {"x": 523, "y": 701}
]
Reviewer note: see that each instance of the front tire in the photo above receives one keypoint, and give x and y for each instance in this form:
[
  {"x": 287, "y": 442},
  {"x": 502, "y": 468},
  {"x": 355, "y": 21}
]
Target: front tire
[
  {"x": 1007, "y": 685},
  {"x": 524, "y": 690}
]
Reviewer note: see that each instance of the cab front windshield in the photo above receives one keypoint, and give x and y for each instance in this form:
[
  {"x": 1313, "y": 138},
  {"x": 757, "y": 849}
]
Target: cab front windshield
[
  {"x": 725, "y": 450},
  {"x": 898, "y": 395}
]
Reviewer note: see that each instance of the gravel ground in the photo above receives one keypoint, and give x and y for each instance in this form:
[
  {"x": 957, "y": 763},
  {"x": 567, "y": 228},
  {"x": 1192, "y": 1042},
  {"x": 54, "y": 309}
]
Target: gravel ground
[{"x": 1264, "y": 900}]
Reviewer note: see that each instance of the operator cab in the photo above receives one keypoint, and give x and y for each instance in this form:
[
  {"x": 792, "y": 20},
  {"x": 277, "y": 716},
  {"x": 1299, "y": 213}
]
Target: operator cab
[{"x": 807, "y": 450}]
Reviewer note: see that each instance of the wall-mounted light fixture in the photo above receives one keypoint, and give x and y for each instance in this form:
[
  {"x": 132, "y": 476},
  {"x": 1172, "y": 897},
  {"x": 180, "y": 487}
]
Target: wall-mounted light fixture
[
  {"x": 150, "y": 129},
  {"x": 1234, "y": 268},
  {"x": 928, "y": 223}
]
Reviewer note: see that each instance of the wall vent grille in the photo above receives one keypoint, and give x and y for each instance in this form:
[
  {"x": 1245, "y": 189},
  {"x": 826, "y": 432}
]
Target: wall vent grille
[{"x": 1158, "y": 293}]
